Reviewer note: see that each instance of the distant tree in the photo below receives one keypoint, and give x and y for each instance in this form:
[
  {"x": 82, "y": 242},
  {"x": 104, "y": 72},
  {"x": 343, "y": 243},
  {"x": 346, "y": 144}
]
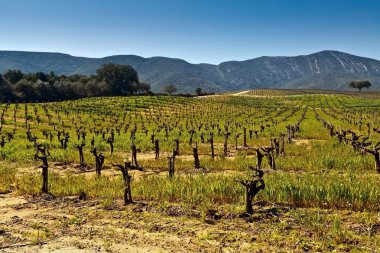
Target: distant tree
[
  {"x": 30, "y": 77},
  {"x": 52, "y": 77},
  {"x": 6, "y": 91},
  {"x": 41, "y": 76},
  {"x": 62, "y": 78},
  {"x": 45, "y": 92},
  {"x": 141, "y": 87},
  {"x": 367, "y": 84},
  {"x": 13, "y": 76},
  {"x": 169, "y": 89},
  {"x": 75, "y": 78},
  {"x": 121, "y": 78},
  {"x": 26, "y": 90},
  {"x": 198, "y": 91},
  {"x": 95, "y": 88},
  {"x": 359, "y": 84}
]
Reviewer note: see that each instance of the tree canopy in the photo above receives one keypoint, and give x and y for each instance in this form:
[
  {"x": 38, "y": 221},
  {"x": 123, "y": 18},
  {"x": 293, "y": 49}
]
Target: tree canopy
[
  {"x": 169, "y": 89},
  {"x": 123, "y": 79},
  {"x": 110, "y": 80},
  {"x": 360, "y": 84},
  {"x": 13, "y": 76}
]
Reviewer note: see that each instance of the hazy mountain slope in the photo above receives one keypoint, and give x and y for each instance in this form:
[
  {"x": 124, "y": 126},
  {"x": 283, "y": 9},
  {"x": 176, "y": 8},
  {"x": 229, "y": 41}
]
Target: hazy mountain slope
[
  {"x": 45, "y": 62},
  {"x": 326, "y": 69},
  {"x": 331, "y": 81},
  {"x": 278, "y": 71}
]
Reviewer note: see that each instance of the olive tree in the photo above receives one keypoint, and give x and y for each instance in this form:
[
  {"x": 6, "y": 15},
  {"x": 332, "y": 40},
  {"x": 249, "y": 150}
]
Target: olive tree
[{"x": 359, "y": 84}]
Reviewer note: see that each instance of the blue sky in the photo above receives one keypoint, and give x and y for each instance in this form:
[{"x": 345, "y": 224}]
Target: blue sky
[{"x": 198, "y": 31}]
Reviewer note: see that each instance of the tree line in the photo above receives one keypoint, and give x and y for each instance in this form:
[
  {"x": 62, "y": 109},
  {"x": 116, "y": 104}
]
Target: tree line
[{"x": 109, "y": 80}]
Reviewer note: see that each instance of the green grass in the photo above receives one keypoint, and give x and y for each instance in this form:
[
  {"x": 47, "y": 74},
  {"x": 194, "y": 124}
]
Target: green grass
[
  {"x": 330, "y": 190},
  {"x": 316, "y": 171}
]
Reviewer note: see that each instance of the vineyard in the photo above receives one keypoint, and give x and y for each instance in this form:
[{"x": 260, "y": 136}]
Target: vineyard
[{"x": 268, "y": 170}]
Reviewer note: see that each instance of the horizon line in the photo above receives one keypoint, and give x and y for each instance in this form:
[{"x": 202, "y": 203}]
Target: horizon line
[{"x": 175, "y": 58}]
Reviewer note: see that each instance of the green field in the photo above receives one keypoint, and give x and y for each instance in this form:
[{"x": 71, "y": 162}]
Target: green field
[{"x": 323, "y": 195}]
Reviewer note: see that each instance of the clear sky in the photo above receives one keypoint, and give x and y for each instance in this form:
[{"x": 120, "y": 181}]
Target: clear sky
[{"x": 198, "y": 31}]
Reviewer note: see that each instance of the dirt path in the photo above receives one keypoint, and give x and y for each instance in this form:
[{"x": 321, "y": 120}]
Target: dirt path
[
  {"x": 208, "y": 96},
  {"x": 240, "y": 93},
  {"x": 68, "y": 224}
]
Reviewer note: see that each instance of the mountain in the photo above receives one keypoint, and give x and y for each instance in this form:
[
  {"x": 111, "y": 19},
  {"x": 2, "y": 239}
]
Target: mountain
[{"x": 325, "y": 69}]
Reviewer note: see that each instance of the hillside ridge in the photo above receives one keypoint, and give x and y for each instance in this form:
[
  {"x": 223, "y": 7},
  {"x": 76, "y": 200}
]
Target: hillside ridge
[{"x": 324, "y": 69}]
